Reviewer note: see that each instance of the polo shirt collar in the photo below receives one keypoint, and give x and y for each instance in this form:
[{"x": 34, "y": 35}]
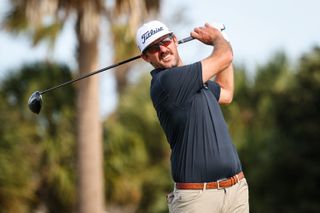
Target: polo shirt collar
[{"x": 156, "y": 71}]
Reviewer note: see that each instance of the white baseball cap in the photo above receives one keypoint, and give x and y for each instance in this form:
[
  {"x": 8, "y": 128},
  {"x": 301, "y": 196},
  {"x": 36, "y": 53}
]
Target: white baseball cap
[{"x": 149, "y": 32}]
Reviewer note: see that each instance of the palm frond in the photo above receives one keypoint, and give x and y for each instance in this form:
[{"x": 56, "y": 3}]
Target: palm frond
[
  {"x": 15, "y": 21},
  {"x": 49, "y": 33}
]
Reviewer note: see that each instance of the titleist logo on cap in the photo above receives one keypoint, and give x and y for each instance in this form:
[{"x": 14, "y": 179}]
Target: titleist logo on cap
[{"x": 149, "y": 33}]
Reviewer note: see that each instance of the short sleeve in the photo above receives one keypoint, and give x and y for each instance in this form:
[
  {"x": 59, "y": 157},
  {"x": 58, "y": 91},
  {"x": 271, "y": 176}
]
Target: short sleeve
[
  {"x": 181, "y": 83},
  {"x": 214, "y": 88}
]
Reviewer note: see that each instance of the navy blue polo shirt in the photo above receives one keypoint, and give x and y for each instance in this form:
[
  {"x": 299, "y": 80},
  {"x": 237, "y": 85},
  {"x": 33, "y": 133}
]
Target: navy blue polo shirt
[{"x": 190, "y": 115}]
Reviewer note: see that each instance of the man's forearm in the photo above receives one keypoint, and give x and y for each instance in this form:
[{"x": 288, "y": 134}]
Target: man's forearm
[
  {"x": 225, "y": 79},
  {"x": 219, "y": 60}
]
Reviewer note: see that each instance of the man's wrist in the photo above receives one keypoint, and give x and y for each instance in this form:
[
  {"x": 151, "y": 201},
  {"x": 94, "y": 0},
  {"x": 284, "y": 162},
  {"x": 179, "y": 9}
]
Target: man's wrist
[{"x": 219, "y": 40}]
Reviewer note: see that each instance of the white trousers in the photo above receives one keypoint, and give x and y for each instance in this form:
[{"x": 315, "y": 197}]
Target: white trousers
[{"x": 234, "y": 199}]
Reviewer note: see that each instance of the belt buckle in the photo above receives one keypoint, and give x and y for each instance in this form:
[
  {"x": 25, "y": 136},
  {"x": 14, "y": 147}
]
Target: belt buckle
[{"x": 218, "y": 183}]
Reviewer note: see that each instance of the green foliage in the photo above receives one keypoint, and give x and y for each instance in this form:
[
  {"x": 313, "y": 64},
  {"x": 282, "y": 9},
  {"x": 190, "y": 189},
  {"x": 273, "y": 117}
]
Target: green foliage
[
  {"x": 16, "y": 160},
  {"x": 18, "y": 21},
  {"x": 124, "y": 43},
  {"x": 36, "y": 152},
  {"x": 136, "y": 153},
  {"x": 280, "y": 157},
  {"x": 298, "y": 121},
  {"x": 15, "y": 20},
  {"x": 49, "y": 32}
]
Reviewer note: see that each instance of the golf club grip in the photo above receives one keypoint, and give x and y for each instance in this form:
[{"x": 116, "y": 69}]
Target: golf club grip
[
  {"x": 185, "y": 40},
  {"x": 222, "y": 27}
]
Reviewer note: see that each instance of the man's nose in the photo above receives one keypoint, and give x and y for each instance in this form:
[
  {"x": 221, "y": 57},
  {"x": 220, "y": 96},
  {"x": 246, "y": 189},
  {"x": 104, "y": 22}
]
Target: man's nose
[{"x": 162, "y": 48}]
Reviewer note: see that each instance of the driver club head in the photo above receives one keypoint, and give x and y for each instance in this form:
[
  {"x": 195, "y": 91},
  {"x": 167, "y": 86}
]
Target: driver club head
[{"x": 35, "y": 102}]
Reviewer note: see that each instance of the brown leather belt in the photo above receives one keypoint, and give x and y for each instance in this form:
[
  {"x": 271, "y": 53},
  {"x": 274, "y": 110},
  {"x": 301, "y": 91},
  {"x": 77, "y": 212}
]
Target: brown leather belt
[{"x": 220, "y": 184}]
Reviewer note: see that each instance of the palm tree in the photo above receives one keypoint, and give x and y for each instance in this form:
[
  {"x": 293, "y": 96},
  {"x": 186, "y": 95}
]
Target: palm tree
[
  {"x": 28, "y": 16},
  {"x": 44, "y": 20}
]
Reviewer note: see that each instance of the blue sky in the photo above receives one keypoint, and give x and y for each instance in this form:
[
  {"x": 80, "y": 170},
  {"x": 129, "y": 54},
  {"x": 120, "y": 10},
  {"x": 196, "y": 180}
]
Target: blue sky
[{"x": 257, "y": 29}]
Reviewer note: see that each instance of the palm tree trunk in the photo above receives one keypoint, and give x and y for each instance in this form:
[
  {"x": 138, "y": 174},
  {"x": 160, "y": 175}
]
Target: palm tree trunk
[
  {"x": 90, "y": 188},
  {"x": 121, "y": 74}
]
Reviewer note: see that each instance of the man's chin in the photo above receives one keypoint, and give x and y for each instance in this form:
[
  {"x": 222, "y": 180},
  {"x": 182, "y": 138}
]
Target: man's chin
[
  {"x": 164, "y": 65},
  {"x": 169, "y": 65}
]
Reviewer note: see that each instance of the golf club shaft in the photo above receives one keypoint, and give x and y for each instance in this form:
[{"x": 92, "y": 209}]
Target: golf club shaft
[
  {"x": 106, "y": 68},
  {"x": 90, "y": 74}
]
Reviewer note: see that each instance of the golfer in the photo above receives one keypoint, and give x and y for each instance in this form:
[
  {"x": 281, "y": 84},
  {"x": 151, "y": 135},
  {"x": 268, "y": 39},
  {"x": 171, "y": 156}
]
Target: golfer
[{"x": 205, "y": 165}]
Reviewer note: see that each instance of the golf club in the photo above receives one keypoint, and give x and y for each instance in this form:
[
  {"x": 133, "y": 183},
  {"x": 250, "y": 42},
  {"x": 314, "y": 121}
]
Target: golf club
[{"x": 35, "y": 100}]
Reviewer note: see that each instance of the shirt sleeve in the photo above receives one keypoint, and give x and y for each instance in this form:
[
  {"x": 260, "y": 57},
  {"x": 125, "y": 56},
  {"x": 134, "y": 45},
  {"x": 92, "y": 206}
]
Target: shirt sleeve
[
  {"x": 181, "y": 83},
  {"x": 215, "y": 88}
]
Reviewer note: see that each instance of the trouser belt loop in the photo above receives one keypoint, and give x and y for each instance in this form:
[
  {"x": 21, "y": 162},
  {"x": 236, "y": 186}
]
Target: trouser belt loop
[
  {"x": 204, "y": 186},
  {"x": 237, "y": 176},
  {"x": 218, "y": 184}
]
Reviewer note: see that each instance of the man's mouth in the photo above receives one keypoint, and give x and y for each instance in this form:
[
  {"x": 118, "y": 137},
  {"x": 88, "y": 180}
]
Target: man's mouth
[{"x": 165, "y": 56}]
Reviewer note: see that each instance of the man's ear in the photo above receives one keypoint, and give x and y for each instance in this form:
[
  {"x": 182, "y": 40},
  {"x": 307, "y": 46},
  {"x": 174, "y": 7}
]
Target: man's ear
[{"x": 145, "y": 57}]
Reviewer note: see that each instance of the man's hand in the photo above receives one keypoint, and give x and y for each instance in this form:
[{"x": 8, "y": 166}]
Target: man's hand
[{"x": 207, "y": 34}]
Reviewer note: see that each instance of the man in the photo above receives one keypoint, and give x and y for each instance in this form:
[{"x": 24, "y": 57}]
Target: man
[{"x": 204, "y": 163}]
